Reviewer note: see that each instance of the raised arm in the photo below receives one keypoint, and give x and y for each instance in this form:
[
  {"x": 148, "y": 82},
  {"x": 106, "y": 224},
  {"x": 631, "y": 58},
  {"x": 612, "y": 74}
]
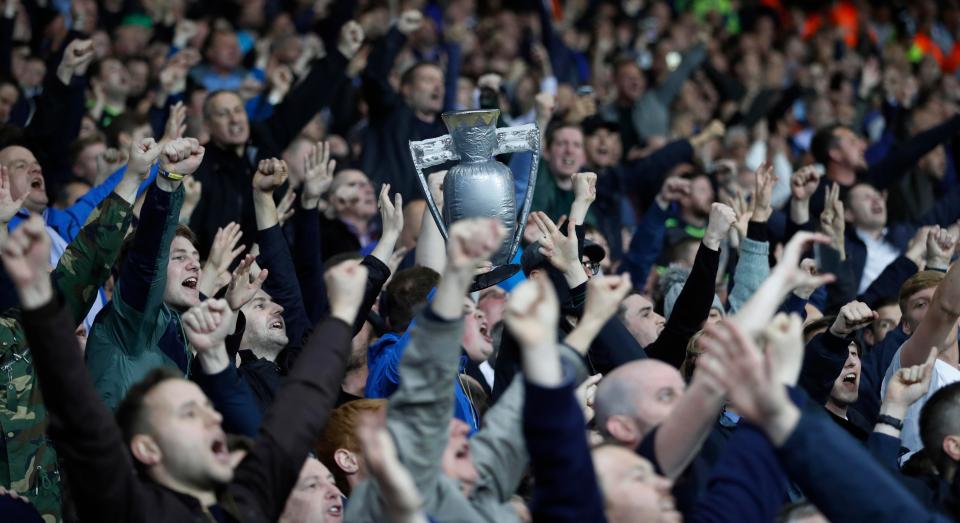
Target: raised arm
[
  {"x": 754, "y": 264},
  {"x": 378, "y": 92},
  {"x": 566, "y": 486},
  {"x": 304, "y": 401},
  {"x": 941, "y": 317},
  {"x": 696, "y": 298},
  {"x": 421, "y": 408},
  {"x": 88, "y": 440},
  {"x": 647, "y": 240},
  {"x": 139, "y": 290},
  {"x": 282, "y": 284},
  {"x": 314, "y": 92}
]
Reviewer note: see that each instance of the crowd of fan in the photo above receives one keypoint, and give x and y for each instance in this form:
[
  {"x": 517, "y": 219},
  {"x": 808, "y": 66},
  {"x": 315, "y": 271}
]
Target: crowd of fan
[{"x": 224, "y": 297}]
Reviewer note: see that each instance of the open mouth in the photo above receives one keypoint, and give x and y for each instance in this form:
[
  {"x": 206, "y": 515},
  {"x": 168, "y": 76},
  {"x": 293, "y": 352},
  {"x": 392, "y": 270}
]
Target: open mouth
[
  {"x": 220, "y": 450},
  {"x": 37, "y": 183},
  {"x": 190, "y": 283},
  {"x": 277, "y": 324},
  {"x": 850, "y": 377},
  {"x": 567, "y": 162},
  {"x": 335, "y": 511}
]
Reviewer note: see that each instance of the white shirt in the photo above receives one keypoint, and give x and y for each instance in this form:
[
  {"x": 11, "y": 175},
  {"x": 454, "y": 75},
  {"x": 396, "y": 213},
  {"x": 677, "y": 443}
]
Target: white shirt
[
  {"x": 943, "y": 374},
  {"x": 880, "y": 253}
]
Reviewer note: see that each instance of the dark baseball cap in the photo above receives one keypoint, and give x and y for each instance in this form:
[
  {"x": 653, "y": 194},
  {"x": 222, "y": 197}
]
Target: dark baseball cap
[{"x": 594, "y": 123}]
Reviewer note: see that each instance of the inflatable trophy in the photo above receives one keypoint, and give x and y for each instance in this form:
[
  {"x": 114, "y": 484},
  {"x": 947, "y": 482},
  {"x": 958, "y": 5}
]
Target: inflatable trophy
[{"x": 479, "y": 185}]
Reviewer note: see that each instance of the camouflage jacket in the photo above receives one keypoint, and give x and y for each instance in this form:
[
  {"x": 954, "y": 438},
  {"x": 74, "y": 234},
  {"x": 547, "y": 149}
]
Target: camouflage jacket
[{"x": 28, "y": 461}]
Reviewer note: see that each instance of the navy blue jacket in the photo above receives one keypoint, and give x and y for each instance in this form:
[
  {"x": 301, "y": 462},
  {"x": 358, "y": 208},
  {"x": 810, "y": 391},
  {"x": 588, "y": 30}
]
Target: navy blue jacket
[
  {"x": 566, "y": 488},
  {"x": 840, "y": 477}
]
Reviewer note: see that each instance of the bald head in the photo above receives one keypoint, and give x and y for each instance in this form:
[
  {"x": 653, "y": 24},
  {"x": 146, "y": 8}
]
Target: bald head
[
  {"x": 635, "y": 398},
  {"x": 26, "y": 177}
]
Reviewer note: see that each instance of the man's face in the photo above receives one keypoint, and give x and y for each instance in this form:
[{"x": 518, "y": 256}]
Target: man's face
[
  {"x": 457, "y": 461},
  {"x": 138, "y": 74},
  {"x": 701, "y": 197},
  {"x": 227, "y": 120},
  {"x": 632, "y": 490},
  {"x": 630, "y": 82},
  {"x": 846, "y": 386},
  {"x": 8, "y": 98},
  {"x": 659, "y": 387},
  {"x": 492, "y": 303},
  {"x": 265, "y": 329},
  {"x": 916, "y": 309},
  {"x": 604, "y": 148},
  {"x": 26, "y": 177},
  {"x": 425, "y": 91},
  {"x": 85, "y": 167},
  {"x": 186, "y": 429},
  {"x": 138, "y": 134},
  {"x": 476, "y": 333},
  {"x": 889, "y": 318},
  {"x": 644, "y": 324},
  {"x": 183, "y": 274},
  {"x": 359, "y": 200},
  {"x": 224, "y": 51},
  {"x": 867, "y": 207},
  {"x": 566, "y": 154},
  {"x": 114, "y": 78},
  {"x": 848, "y": 150},
  {"x": 315, "y": 498}
]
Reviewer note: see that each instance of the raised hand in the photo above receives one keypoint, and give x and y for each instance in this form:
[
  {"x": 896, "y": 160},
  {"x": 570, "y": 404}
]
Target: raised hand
[
  {"x": 804, "y": 182},
  {"x": 243, "y": 285},
  {"x": 832, "y": 220},
  {"x": 784, "y": 341},
  {"x": 346, "y": 283},
  {"x": 176, "y": 123},
  {"x": 271, "y": 173},
  {"x": 391, "y": 213},
  {"x": 851, "y": 318},
  {"x": 560, "y": 249},
  {"x": 76, "y": 58},
  {"x": 585, "y": 192},
  {"x": 350, "y": 40},
  {"x": 409, "y": 21},
  {"x": 917, "y": 247},
  {"x": 181, "y": 156},
  {"x": 472, "y": 242},
  {"x": 760, "y": 204},
  {"x": 908, "y": 385},
  {"x": 794, "y": 276},
  {"x": 940, "y": 246},
  {"x": 741, "y": 209},
  {"x": 143, "y": 155},
  {"x": 402, "y": 500},
  {"x": 281, "y": 78},
  {"x": 721, "y": 219},
  {"x": 206, "y": 324},
  {"x": 318, "y": 171},
  {"x": 733, "y": 360},
  {"x": 8, "y": 205},
  {"x": 216, "y": 271},
  {"x": 673, "y": 189},
  {"x": 26, "y": 258},
  {"x": 604, "y": 295},
  {"x": 532, "y": 313}
]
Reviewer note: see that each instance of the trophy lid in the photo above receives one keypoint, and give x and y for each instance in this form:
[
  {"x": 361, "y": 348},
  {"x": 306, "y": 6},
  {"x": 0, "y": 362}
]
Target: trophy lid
[{"x": 479, "y": 117}]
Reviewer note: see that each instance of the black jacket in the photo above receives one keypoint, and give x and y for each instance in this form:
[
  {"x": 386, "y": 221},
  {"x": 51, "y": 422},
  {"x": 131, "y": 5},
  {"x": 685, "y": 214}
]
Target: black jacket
[{"x": 227, "y": 195}]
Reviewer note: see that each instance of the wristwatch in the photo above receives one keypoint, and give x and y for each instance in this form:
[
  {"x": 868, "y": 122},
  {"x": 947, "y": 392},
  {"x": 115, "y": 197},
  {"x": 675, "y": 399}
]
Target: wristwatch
[{"x": 890, "y": 420}]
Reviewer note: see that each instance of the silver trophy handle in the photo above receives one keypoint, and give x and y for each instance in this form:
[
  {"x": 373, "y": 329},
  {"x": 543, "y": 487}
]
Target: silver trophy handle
[
  {"x": 514, "y": 140},
  {"x": 426, "y": 154}
]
